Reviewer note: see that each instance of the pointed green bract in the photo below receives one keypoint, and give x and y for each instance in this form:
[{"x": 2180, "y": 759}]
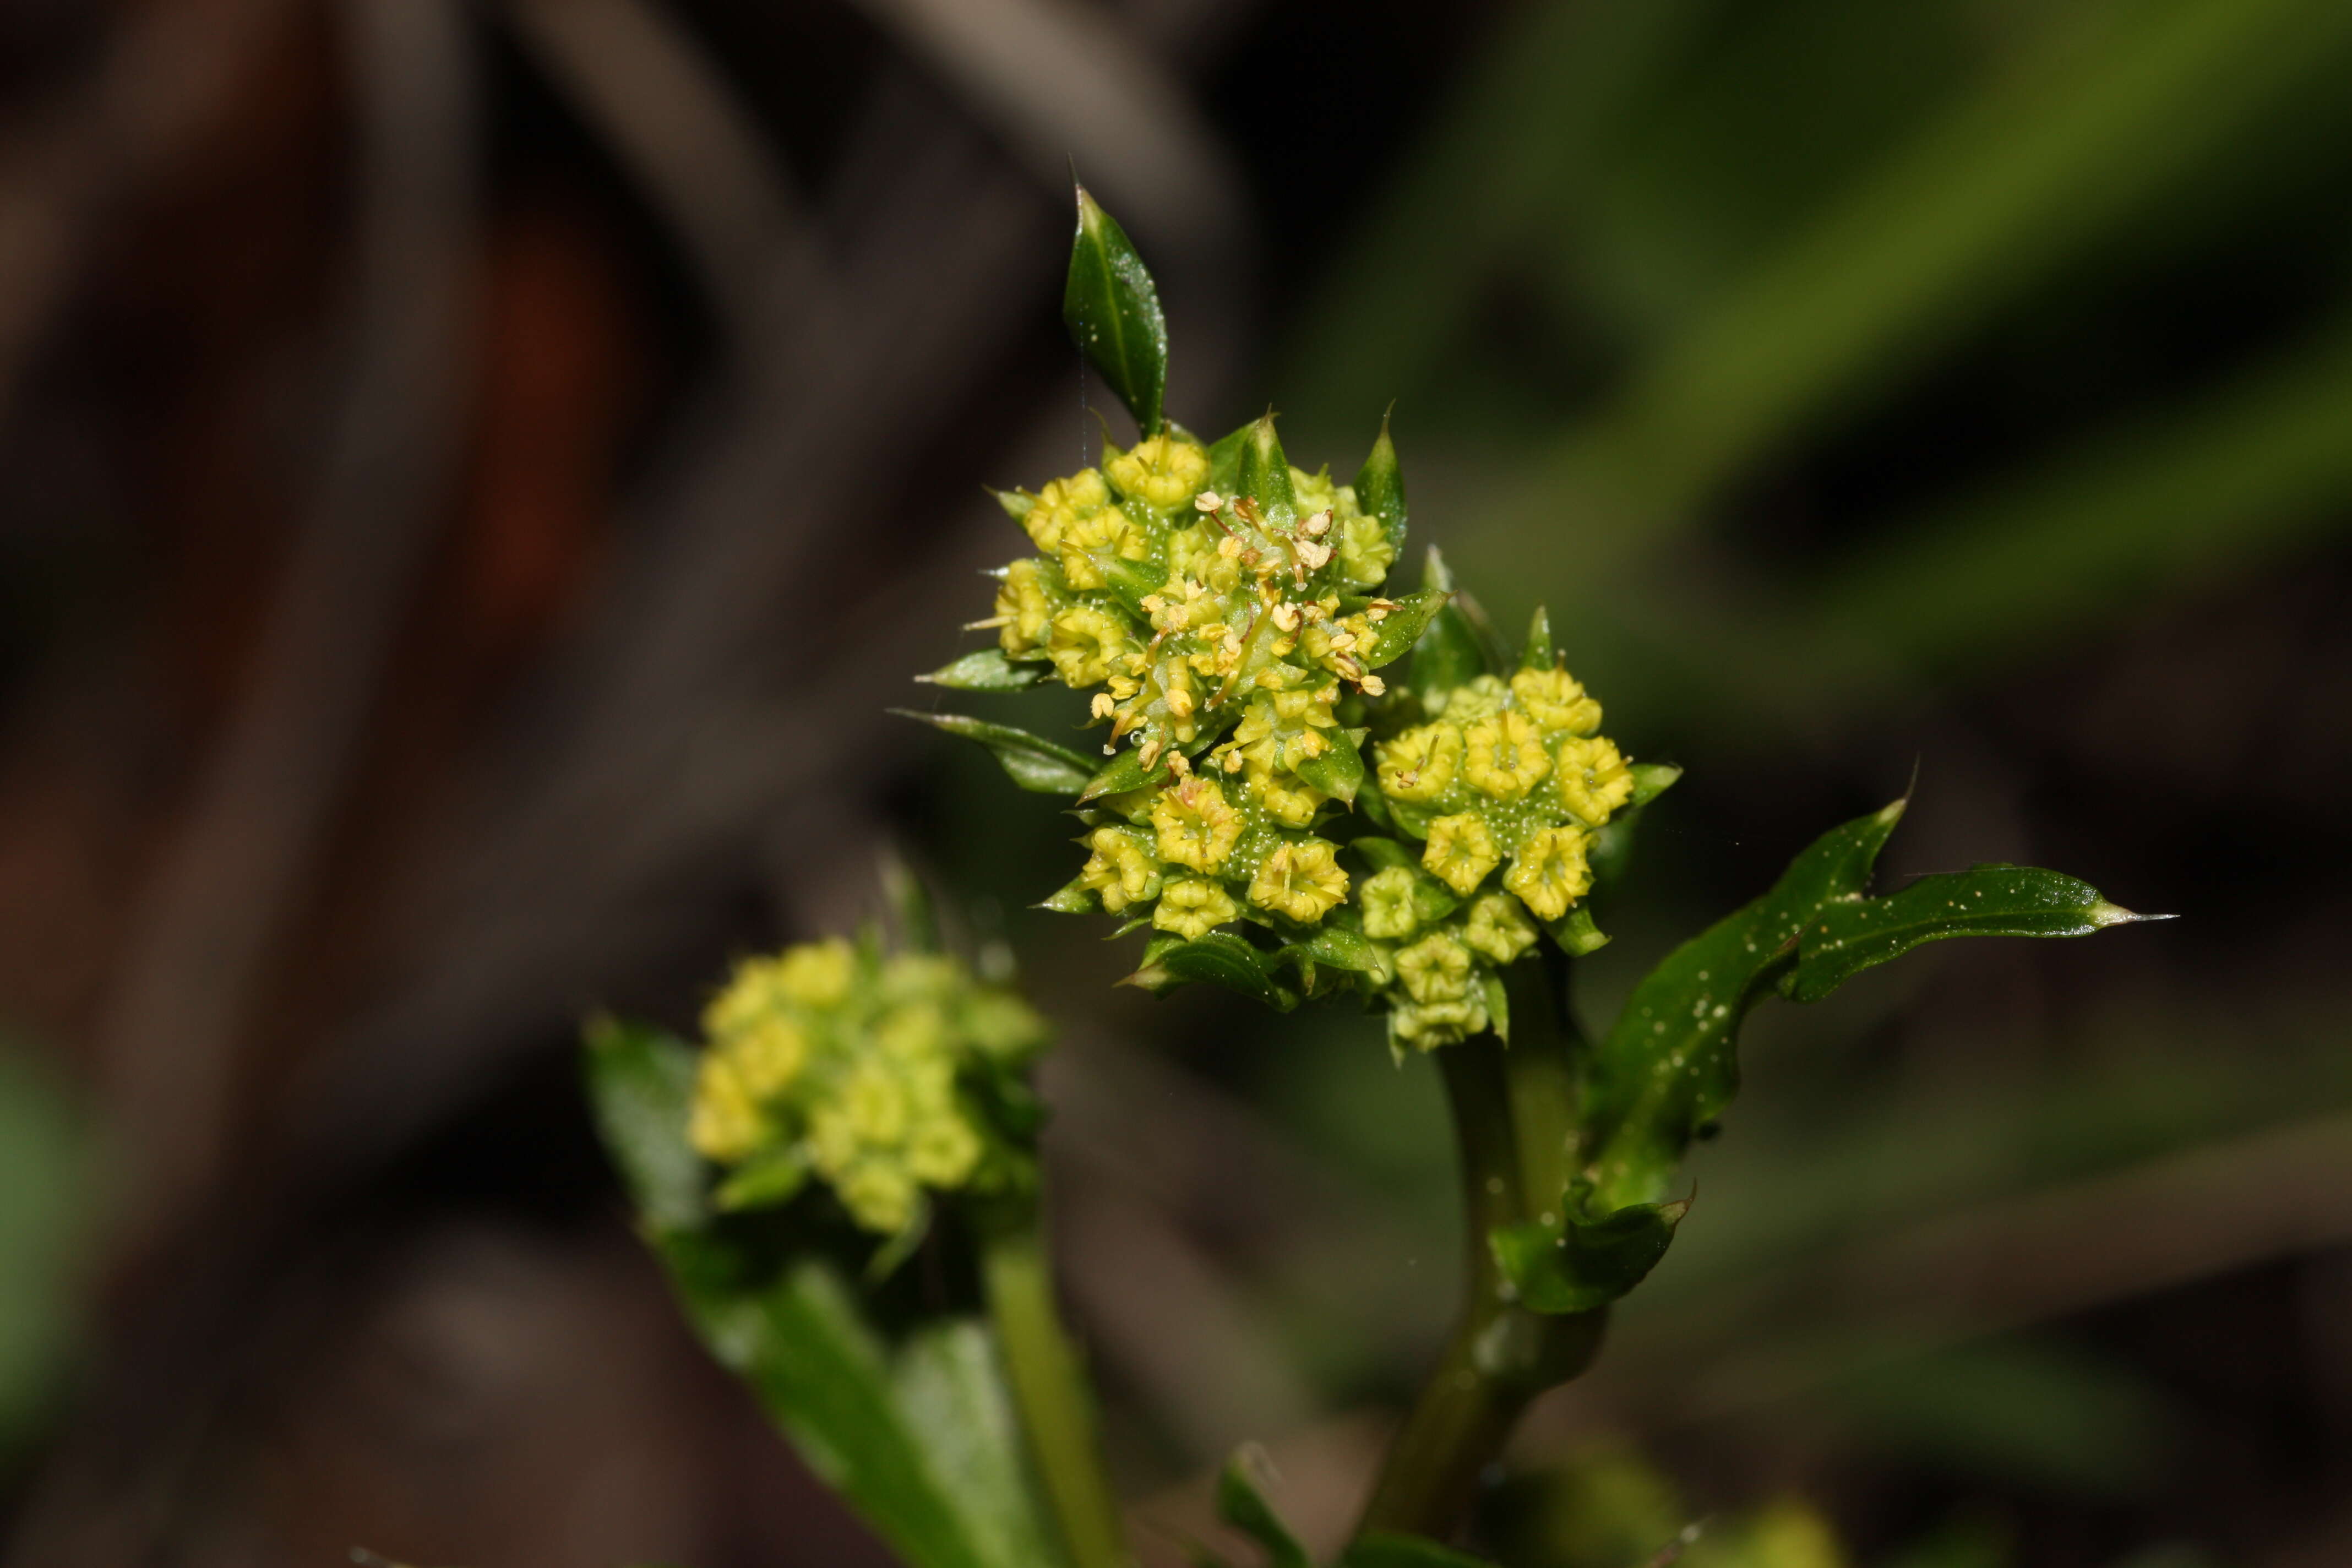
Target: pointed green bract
[
  {"x": 1219, "y": 958},
  {"x": 1379, "y": 487},
  {"x": 1112, "y": 309},
  {"x": 1538, "y": 654},
  {"x": 985, "y": 671},
  {"x": 1262, "y": 471},
  {"x": 1031, "y": 761}
]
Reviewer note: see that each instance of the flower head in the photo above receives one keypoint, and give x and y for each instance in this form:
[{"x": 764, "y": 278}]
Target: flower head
[{"x": 1301, "y": 881}]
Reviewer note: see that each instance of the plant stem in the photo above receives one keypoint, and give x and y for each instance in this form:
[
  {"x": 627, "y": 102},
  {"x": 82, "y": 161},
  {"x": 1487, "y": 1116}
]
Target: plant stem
[
  {"x": 1049, "y": 1385},
  {"x": 1514, "y": 1117}
]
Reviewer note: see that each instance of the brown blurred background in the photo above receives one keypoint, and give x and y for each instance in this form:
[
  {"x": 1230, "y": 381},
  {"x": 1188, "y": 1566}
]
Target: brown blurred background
[{"x": 472, "y": 474}]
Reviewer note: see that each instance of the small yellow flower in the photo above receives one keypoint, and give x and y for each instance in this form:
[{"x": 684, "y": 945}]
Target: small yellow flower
[
  {"x": 1434, "y": 969},
  {"x": 1594, "y": 778},
  {"x": 727, "y": 1124},
  {"x": 1550, "y": 873},
  {"x": 1556, "y": 700},
  {"x": 876, "y": 1104},
  {"x": 817, "y": 975},
  {"x": 1195, "y": 825},
  {"x": 942, "y": 1151},
  {"x": 879, "y": 1194},
  {"x": 1365, "y": 553},
  {"x": 1429, "y": 1025},
  {"x": 1420, "y": 765},
  {"x": 1120, "y": 871},
  {"x": 1082, "y": 644},
  {"x": 769, "y": 1055},
  {"x": 1063, "y": 503},
  {"x": 1089, "y": 543},
  {"x": 1504, "y": 755},
  {"x": 1386, "y": 898},
  {"x": 1193, "y": 909},
  {"x": 1460, "y": 851},
  {"x": 1301, "y": 881},
  {"x": 1481, "y": 696},
  {"x": 1160, "y": 471},
  {"x": 1026, "y": 608},
  {"x": 1496, "y": 930},
  {"x": 912, "y": 1032}
]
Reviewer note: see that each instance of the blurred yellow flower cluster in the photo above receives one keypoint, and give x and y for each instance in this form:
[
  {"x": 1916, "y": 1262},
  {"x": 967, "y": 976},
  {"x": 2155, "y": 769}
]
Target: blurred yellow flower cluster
[{"x": 856, "y": 1067}]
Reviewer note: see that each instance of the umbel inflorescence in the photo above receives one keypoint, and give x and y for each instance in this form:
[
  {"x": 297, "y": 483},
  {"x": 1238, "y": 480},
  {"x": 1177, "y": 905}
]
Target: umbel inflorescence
[
  {"x": 884, "y": 1077},
  {"x": 1225, "y": 610}
]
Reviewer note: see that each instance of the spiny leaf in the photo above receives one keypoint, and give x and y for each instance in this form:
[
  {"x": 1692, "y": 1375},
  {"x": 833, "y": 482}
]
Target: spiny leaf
[
  {"x": 1242, "y": 1506},
  {"x": 985, "y": 671},
  {"x": 1032, "y": 762},
  {"x": 1112, "y": 309},
  {"x": 1845, "y": 939},
  {"x": 1219, "y": 958},
  {"x": 1669, "y": 1065},
  {"x": 1581, "y": 1262}
]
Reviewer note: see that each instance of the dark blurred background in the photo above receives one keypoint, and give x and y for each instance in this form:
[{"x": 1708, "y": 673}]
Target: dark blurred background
[{"x": 472, "y": 476}]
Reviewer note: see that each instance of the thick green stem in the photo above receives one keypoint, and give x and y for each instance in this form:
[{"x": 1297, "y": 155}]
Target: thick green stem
[
  {"x": 1513, "y": 1118},
  {"x": 1056, "y": 1404}
]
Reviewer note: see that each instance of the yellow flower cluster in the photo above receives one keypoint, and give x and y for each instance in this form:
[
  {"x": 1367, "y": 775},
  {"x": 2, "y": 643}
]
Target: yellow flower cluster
[
  {"x": 1512, "y": 777},
  {"x": 1177, "y": 600},
  {"x": 856, "y": 1067}
]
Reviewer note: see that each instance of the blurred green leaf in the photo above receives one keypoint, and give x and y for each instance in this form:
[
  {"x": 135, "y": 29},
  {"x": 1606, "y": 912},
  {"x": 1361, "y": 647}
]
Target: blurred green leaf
[
  {"x": 1032, "y": 762},
  {"x": 44, "y": 1200},
  {"x": 917, "y": 1434},
  {"x": 1242, "y": 1506},
  {"x": 1112, "y": 309},
  {"x": 1386, "y": 1549},
  {"x": 985, "y": 671},
  {"x": 1844, "y": 939}
]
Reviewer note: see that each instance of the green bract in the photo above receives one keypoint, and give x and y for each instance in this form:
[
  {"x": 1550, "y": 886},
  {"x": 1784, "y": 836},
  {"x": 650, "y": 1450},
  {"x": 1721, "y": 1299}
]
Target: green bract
[{"x": 874, "y": 1074}]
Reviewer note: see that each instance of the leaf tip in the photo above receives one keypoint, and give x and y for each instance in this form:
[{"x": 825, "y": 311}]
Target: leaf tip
[{"x": 2104, "y": 914}]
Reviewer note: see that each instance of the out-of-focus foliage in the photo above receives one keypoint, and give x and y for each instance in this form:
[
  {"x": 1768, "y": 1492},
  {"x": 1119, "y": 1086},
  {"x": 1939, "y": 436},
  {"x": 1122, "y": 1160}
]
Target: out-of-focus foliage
[{"x": 43, "y": 1206}]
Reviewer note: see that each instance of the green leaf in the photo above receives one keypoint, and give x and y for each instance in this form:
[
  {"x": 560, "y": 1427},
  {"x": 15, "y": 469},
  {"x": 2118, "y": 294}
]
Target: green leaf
[
  {"x": 917, "y": 1434},
  {"x": 985, "y": 671},
  {"x": 1125, "y": 772},
  {"x": 1034, "y": 763},
  {"x": 1337, "y": 773},
  {"x": 1219, "y": 958},
  {"x": 1342, "y": 949},
  {"x": 1225, "y": 459},
  {"x": 1380, "y": 488},
  {"x": 1072, "y": 899},
  {"x": 1843, "y": 940},
  {"x": 1242, "y": 1506},
  {"x": 771, "y": 1177},
  {"x": 1611, "y": 847},
  {"x": 1394, "y": 635},
  {"x": 1669, "y": 1065},
  {"x": 1263, "y": 472},
  {"x": 1388, "y": 1549},
  {"x": 640, "y": 1082},
  {"x": 1446, "y": 654},
  {"x": 1583, "y": 1263},
  {"x": 1112, "y": 309},
  {"x": 923, "y": 1443}
]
